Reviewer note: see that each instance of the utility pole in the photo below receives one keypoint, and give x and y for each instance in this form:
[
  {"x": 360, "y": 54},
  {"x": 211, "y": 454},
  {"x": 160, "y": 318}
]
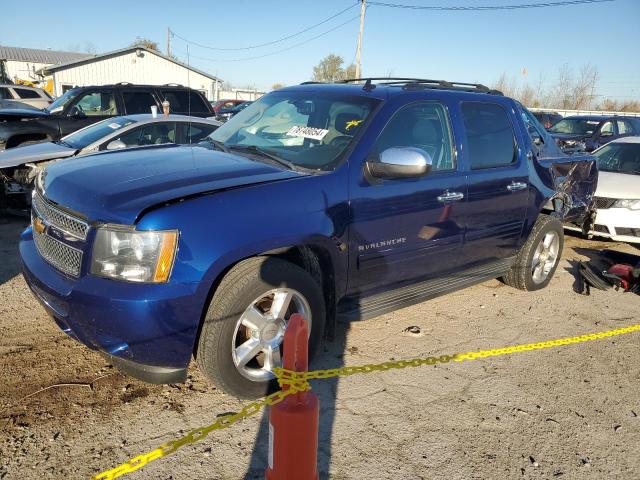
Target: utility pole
[
  {"x": 363, "y": 9},
  {"x": 168, "y": 42}
]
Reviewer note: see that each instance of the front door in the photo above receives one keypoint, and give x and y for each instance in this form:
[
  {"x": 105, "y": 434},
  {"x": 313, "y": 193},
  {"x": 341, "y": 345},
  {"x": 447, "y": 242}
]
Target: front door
[
  {"x": 498, "y": 182},
  {"x": 404, "y": 229},
  {"x": 89, "y": 108}
]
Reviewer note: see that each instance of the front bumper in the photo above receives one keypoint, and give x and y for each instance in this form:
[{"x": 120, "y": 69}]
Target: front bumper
[
  {"x": 619, "y": 224},
  {"x": 147, "y": 330}
]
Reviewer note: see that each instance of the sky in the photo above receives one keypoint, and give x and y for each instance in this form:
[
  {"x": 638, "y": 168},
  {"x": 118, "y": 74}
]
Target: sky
[{"x": 526, "y": 45}]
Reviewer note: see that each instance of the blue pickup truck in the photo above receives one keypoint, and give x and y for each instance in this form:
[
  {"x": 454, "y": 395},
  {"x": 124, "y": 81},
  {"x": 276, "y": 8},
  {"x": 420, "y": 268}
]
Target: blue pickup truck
[{"x": 344, "y": 200}]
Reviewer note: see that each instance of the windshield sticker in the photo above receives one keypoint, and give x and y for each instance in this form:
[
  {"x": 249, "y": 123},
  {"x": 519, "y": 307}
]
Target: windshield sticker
[
  {"x": 307, "y": 132},
  {"x": 115, "y": 126}
]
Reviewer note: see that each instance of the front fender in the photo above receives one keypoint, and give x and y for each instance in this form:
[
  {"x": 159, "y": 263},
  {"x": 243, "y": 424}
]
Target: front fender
[{"x": 220, "y": 229}]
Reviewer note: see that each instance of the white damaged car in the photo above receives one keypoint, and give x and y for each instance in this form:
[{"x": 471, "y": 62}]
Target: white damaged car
[{"x": 617, "y": 198}]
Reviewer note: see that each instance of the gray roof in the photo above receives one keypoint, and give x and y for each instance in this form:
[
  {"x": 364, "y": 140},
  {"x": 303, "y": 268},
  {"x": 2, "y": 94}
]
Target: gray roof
[
  {"x": 35, "y": 55},
  {"x": 122, "y": 51}
]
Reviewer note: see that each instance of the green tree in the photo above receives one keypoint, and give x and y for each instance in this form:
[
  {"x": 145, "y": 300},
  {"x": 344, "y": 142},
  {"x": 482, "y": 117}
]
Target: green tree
[
  {"x": 329, "y": 69},
  {"x": 146, "y": 43}
]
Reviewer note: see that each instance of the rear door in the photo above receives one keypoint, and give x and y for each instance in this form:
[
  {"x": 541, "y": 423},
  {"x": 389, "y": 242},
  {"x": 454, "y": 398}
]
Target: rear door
[{"x": 497, "y": 181}]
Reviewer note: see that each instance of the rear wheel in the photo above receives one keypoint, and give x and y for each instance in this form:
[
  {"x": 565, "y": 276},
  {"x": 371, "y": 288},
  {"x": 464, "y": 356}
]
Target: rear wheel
[
  {"x": 241, "y": 339},
  {"x": 538, "y": 258}
]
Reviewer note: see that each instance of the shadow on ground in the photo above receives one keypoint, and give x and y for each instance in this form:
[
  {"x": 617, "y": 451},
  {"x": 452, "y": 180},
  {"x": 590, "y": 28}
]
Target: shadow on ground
[{"x": 9, "y": 237}]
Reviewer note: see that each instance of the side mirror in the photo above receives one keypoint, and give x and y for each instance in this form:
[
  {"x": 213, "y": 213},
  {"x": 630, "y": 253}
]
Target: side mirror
[
  {"x": 401, "y": 162},
  {"x": 75, "y": 112},
  {"x": 116, "y": 144}
]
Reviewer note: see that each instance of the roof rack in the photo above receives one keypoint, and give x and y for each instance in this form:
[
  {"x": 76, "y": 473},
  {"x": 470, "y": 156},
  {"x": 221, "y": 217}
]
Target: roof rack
[{"x": 421, "y": 83}]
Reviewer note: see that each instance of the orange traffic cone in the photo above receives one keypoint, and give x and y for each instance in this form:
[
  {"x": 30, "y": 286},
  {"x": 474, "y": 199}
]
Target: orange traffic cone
[{"x": 293, "y": 423}]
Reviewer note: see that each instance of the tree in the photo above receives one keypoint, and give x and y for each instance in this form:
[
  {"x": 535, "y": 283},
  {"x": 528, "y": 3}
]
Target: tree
[
  {"x": 350, "y": 71},
  {"x": 146, "y": 43},
  {"x": 277, "y": 86},
  {"x": 329, "y": 69}
]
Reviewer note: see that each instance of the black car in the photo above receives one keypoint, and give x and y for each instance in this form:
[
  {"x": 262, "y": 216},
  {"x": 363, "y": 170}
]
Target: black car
[
  {"x": 225, "y": 114},
  {"x": 587, "y": 132},
  {"x": 547, "y": 119},
  {"x": 83, "y": 106}
]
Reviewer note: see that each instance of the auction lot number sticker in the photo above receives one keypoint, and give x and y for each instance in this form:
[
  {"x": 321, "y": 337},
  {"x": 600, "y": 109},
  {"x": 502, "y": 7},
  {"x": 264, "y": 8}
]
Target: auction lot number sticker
[{"x": 307, "y": 132}]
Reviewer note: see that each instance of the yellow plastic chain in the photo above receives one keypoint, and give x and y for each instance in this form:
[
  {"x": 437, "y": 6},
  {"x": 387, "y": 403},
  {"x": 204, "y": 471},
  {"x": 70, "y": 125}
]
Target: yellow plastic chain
[{"x": 299, "y": 382}]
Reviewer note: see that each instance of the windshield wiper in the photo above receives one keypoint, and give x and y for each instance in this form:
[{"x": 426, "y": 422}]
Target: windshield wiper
[
  {"x": 217, "y": 144},
  {"x": 264, "y": 153}
]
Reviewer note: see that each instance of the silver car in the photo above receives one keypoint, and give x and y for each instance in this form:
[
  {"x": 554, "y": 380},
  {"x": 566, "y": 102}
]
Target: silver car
[
  {"x": 35, "y": 97},
  {"x": 20, "y": 165}
]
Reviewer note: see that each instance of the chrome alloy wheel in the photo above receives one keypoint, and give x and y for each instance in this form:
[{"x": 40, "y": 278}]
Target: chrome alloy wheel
[
  {"x": 257, "y": 339},
  {"x": 545, "y": 257}
]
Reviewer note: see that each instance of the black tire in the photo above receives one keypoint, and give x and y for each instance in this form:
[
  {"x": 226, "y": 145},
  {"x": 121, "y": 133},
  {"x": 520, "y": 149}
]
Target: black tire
[
  {"x": 244, "y": 283},
  {"x": 521, "y": 274}
]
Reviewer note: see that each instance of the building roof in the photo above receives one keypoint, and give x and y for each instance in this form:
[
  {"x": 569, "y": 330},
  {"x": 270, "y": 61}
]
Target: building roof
[
  {"x": 35, "y": 55},
  {"x": 116, "y": 53}
]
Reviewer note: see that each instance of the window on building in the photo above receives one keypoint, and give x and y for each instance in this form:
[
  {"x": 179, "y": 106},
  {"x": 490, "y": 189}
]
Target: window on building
[
  {"x": 185, "y": 102},
  {"x": 26, "y": 93},
  {"x": 138, "y": 102},
  {"x": 422, "y": 125},
  {"x": 490, "y": 138}
]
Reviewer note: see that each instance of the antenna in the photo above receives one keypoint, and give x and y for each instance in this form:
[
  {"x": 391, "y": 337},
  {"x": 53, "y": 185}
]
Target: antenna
[{"x": 189, "y": 132}]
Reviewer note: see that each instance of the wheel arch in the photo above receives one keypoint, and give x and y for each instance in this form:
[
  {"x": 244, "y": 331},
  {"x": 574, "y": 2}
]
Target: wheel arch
[{"x": 314, "y": 258}]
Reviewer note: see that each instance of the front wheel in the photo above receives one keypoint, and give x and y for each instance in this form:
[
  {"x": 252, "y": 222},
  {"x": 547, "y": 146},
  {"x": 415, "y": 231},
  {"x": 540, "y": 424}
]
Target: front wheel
[
  {"x": 241, "y": 339},
  {"x": 539, "y": 257}
]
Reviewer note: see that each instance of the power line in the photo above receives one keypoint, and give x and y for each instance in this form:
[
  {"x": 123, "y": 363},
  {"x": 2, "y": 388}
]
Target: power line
[
  {"x": 267, "y": 43},
  {"x": 488, "y": 7},
  {"x": 278, "y": 51}
]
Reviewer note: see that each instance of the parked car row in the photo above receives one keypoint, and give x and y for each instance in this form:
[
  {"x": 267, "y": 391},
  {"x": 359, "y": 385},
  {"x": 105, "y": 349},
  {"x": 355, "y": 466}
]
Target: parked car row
[{"x": 330, "y": 200}]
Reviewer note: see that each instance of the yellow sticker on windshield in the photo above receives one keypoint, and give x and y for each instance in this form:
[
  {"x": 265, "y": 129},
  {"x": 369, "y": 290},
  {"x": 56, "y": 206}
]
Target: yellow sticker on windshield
[{"x": 352, "y": 123}]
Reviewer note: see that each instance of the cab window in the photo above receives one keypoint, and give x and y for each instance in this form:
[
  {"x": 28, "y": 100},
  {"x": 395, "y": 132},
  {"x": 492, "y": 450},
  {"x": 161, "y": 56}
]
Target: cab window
[
  {"x": 490, "y": 138},
  {"x": 421, "y": 125}
]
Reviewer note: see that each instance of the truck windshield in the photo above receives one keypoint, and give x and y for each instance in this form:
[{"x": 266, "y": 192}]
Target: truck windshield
[
  {"x": 60, "y": 102},
  {"x": 95, "y": 132},
  {"x": 575, "y": 126},
  {"x": 306, "y": 129},
  {"x": 619, "y": 157}
]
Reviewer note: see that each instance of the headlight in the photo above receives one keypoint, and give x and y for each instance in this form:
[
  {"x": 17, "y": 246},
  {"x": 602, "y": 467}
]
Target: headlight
[
  {"x": 124, "y": 254},
  {"x": 630, "y": 204}
]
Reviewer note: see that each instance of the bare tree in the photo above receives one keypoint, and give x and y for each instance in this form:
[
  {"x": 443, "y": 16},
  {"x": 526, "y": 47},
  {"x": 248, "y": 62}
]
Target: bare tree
[
  {"x": 506, "y": 85},
  {"x": 277, "y": 86}
]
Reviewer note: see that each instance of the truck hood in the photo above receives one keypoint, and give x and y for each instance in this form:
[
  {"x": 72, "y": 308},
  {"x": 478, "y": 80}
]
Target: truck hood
[
  {"x": 116, "y": 187},
  {"x": 37, "y": 152},
  {"x": 618, "y": 185},
  {"x": 22, "y": 112}
]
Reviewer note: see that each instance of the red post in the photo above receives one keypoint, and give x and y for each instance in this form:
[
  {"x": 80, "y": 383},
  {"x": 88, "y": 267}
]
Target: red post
[{"x": 293, "y": 423}]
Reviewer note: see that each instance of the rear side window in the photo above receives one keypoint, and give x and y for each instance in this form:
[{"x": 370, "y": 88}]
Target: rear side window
[
  {"x": 625, "y": 127},
  {"x": 183, "y": 101},
  {"x": 138, "y": 102},
  {"x": 421, "y": 125},
  {"x": 26, "y": 93},
  {"x": 490, "y": 139},
  {"x": 5, "y": 94},
  {"x": 196, "y": 132}
]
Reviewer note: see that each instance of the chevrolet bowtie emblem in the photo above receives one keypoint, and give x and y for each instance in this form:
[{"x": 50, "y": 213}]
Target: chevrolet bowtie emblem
[{"x": 38, "y": 226}]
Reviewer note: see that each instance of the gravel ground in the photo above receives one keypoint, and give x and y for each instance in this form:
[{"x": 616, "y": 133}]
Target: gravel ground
[{"x": 570, "y": 412}]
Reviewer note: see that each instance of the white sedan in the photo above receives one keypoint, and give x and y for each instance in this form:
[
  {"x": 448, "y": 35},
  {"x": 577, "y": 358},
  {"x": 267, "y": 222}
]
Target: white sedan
[{"x": 617, "y": 197}]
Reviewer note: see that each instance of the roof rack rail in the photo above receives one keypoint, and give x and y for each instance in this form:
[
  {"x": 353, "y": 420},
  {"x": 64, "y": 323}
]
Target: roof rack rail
[
  {"x": 311, "y": 82},
  {"x": 420, "y": 83}
]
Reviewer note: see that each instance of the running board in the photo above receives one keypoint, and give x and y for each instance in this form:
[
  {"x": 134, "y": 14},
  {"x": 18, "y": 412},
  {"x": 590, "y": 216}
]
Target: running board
[{"x": 363, "y": 308}]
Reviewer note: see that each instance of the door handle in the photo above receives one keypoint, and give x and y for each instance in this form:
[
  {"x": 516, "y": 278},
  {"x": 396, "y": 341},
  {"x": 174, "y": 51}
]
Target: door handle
[
  {"x": 516, "y": 186},
  {"x": 450, "y": 197}
]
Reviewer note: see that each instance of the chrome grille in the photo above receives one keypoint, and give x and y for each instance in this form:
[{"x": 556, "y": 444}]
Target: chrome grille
[
  {"x": 58, "y": 254},
  {"x": 59, "y": 219},
  {"x": 602, "y": 203}
]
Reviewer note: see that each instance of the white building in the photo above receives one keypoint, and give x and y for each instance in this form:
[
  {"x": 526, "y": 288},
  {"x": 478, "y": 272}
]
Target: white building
[
  {"x": 24, "y": 63},
  {"x": 137, "y": 65}
]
